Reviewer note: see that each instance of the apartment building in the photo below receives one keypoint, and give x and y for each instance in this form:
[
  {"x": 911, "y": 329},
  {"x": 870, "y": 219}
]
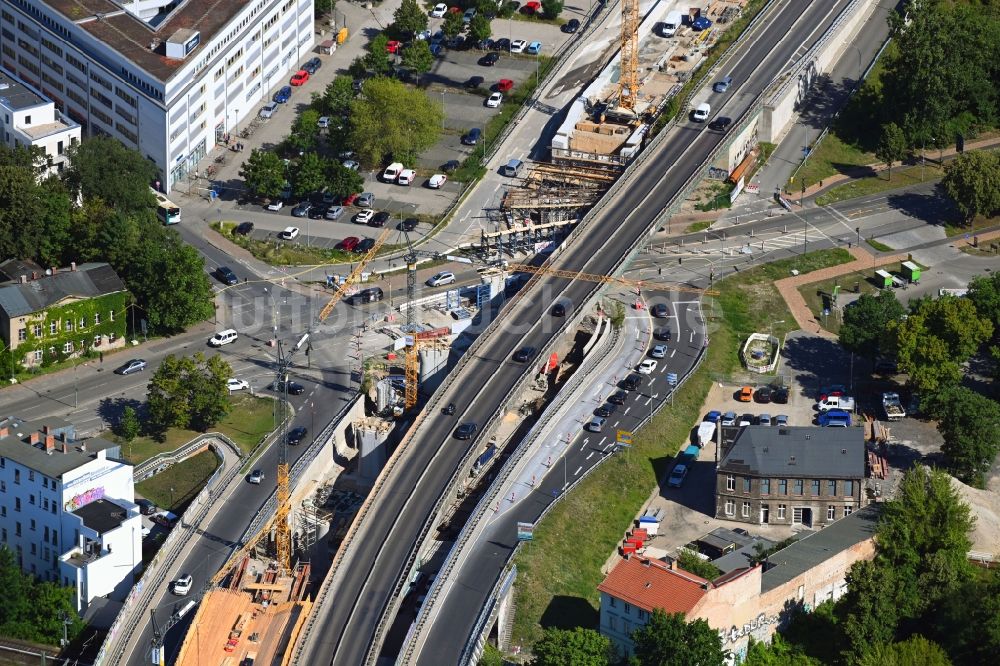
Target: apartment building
[
  {"x": 169, "y": 78},
  {"x": 28, "y": 118},
  {"x": 67, "y": 509}
]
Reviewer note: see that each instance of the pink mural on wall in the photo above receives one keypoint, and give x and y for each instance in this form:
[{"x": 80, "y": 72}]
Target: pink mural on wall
[{"x": 85, "y": 498}]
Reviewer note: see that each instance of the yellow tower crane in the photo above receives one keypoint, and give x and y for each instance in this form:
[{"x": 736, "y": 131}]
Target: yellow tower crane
[{"x": 628, "y": 83}]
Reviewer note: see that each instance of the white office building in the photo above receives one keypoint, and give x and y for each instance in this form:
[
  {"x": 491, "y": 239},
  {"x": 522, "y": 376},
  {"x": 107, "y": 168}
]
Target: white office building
[
  {"x": 28, "y": 118},
  {"x": 67, "y": 509},
  {"x": 169, "y": 78}
]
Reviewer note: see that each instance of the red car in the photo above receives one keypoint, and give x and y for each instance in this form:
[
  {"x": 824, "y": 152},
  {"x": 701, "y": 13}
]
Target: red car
[
  {"x": 393, "y": 46},
  {"x": 532, "y": 7},
  {"x": 458, "y": 10},
  {"x": 351, "y": 198},
  {"x": 503, "y": 85},
  {"x": 299, "y": 77},
  {"x": 348, "y": 244}
]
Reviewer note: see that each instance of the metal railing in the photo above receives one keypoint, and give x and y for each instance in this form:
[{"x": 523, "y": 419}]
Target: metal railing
[{"x": 140, "y": 472}]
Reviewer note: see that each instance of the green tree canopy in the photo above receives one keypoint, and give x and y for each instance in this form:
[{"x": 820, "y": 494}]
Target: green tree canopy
[
  {"x": 972, "y": 181},
  {"x": 188, "y": 392},
  {"x": 168, "y": 278},
  {"x": 777, "y": 653},
  {"x": 409, "y": 18},
  {"x": 865, "y": 322},
  {"x": 128, "y": 426},
  {"x": 573, "y": 647},
  {"x": 970, "y": 425},
  {"x": 309, "y": 174},
  {"x": 33, "y": 610},
  {"x": 263, "y": 173},
  {"x": 337, "y": 96},
  {"x": 914, "y": 651},
  {"x": 869, "y": 607},
  {"x": 891, "y": 146},
  {"x": 343, "y": 181},
  {"x": 453, "y": 25},
  {"x": 305, "y": 131},
  {"x": 378, "y": 60},
  {"x": 667, "y": 640},
  {"x": 551, "y": 9},
  {"x": 103, "y": 168},
  {"x": 984, "y": 292},
  {"x": 968, "y": 623},
  {"x": 690, "y": 562},
  {"x": 480, "y": 27},
  {"x": 377, "y": 135},
  {"x": 417, "y": 57}
]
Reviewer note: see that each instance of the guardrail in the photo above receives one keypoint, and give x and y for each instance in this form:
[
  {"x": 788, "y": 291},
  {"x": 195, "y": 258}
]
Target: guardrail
[
  {"x": 139, "y": 473},
  {"x": 486, "y": 501}
]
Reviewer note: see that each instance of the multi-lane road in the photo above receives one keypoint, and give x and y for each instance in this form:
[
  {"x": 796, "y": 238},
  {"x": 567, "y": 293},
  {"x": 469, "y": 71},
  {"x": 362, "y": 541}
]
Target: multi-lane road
[{"x": 366, "y": 579}]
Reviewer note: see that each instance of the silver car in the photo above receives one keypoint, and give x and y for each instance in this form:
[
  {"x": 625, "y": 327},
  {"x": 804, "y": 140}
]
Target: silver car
[
  {"x": 366, "y": 200},
  {"x": 333, "y": 212},
  {"x": 659, "y": 351},
  {"x": 596, "y": 424}
]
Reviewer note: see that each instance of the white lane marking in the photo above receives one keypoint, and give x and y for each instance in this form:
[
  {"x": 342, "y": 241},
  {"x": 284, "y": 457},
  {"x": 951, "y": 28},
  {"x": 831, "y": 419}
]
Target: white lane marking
[
  {"x": 603, "y": 439},
  {"x": 626, "y": 410},
  {"x": 589, "y": 456},
  {"x": 648, "y": 401},
  {"x": 578, "y": 470},
  {"x": 673, "y": 352}
]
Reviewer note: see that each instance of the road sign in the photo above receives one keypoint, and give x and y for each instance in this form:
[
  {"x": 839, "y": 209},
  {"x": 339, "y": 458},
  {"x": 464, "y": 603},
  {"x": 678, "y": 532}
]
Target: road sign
[
  {"x": 525, "y": 531},
  {"x": 672, "y": 378},
  {"x": 624, "y": 437}
]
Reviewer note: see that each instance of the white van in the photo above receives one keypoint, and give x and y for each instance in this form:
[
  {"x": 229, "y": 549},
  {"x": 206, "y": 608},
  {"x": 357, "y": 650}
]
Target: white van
[
  {"x": 671, "y": 24},
  {"x": 512, "y": 169},
  {"x": 223, "y": 337},
  {"x": 406, "y": 176},
  {"x": 392, "y": 172},
  {"x": 701, "y": 113}
]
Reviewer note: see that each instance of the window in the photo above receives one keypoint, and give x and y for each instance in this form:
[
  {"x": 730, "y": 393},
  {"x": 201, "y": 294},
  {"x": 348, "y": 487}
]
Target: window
[
  {"x": 643, "y": 615},
  {"x": 45, "y": 482},
  {"x": 32, "y": 524},
  {"x": 798, "y": 486},
  {"x": 746, "y": 509},
  {"x": 53, "y": 328},
  {"x": 37, "y": 355},
  {"x": 34, "y": 551},
  {"x": 765, "y": 486},
  {"x": 36, "y": 330},
  {"x": 730, "y": 507},
  {"x": 612, "y": 623},
  {"x": 67, "y": 347},
  {"x": 831, "y": 487},
  {"x": 83, "y": 322},
  {"x": 783, "y": 486},
  {"x": 849, "y": 488},
  {"x": 4, "y": 534},
  {"x": 112, "y": 315},
  {"x": 27, "y": 120},
  {"x": 31, "y": 475},
  {"x": 746, "y": 484},
  {"x": 730, "y": 482},
  {"x": 612, "y": 602},
  {"x": 3, "y": 511},
  {"x": 17, "y": 504},
  {"x": 97, "y": 341},
  {"x": 17, "y": 529},
  {"x": 815, "y": 486},
  {"x": 781, "y": 511},
  {"x": 847, "y": 511},
  {"x": 3, "y": 486},
  {"x": 17, "y": 476},
  {"x": 31, "y": 500},
  {"x": 68, "y": 324},
  {"x": 22, "y": 334},
  {"x": 628, "y": 608},
  {"x": 97, "y": 318},
  {"x": 831, "y": 512}
]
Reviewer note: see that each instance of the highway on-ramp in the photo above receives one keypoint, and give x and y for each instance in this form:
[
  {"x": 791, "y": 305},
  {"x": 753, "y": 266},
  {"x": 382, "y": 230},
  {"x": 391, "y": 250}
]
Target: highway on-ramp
[{"x": 366, "y": 576}]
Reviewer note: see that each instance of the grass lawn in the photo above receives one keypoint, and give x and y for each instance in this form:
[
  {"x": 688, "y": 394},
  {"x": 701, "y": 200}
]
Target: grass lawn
[
  {"x": 832, "y": 157},
  {"x": 281, "y": 253},
  {"x": 250, "y": 419},
  {"x": 698, "y": 226},
  {"x": 817, "y": 294},
  {"x": 559, "y": 570},
  {"x": 881, "y": 247},
  {"x": 185, "y": 478},
  {"x": 901, "y": 177}
]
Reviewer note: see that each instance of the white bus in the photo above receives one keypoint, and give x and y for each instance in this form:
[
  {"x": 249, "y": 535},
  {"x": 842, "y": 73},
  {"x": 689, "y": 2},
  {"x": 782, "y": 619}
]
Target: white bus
[{"x": 166, "y": 210}]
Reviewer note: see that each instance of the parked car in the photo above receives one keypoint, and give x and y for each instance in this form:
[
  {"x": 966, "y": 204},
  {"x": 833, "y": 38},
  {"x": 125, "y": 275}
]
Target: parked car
[
  {"x": 226, "y": 275},
  {"x": 406, "y": 177},
  {"x": 365, "y": 245},
  {"x": 745, "y": 394},
  {"x": 283, "y": 95},
  {"x": 302, "y": 209},
  {"x": 781, "y": 420},
  {"x": 441, "y": 279},
  {"x": 313, "y": 65},
  {"x": 729, "y": 419},
  {"x": 296, "y": 435},
  {"x": 494, "y": 100},
  {"x": 466, "y": 431},
  {"x": 323, "y": 122},
  {"x": 409, "y": 224},
  {"x": 364, "y": 216},
  {"x": 764, "y": 394},
  {"x": 234, "y": 384},
  {"x": 504, "y": 85},
  {"x": 677, "y": 476},
  {"x": 596, "y": 424},
  {"x": 365, "y": 200},
  {"x": 571, "y": 26},
  {"x": 606, "y": 410},
  {"x": 244, "y": 228},
  {"x": 394, "y": 46},
  {"x": 518, "y": 45},
  {"x": 379, "y": 220},
  {"x": 502, "y": 44},
  {"x": 281, "y": 386},
  {"x": 780, "y": 396},
  {"x": 469, "y": 14},
  {"x": 348, "y": 244},
  {"x": 268, "y": 110},
  {"x": 135, "y": 365},
  {"x": 289, "y": 233},
  {"x": 146, "y": 507},
  {"x": 440, "y": 9},
  {"x": 701, "y": 23},
  {"x": 256, "y": 477},
  {"x": 353, "y": 165},
  {"x": 474, "y": 82},
  {"x": 182, "y": 585},
  {"x": 617, "y": 398},
  {"x": 334, "y": 212},
  {"x": 436, "y": 181},
  {"x": 764, "y": 420},
  {"x": 276, "y": 205},
  {"x": 472, "y": 137},
  {"x": 318, "y": 212},
  {"x": 746, "y": 420},
  {"x": 632, "y": 382},
  {"x": 450, "y": 166},
  {"x": 534, "y": 48},
  {"x": 299, "y": 77},
  {"x": 225, "y": 337}
]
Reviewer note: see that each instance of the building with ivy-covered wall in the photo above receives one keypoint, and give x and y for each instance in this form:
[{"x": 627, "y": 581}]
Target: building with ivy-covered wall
[{"x": 51, "y": 315}]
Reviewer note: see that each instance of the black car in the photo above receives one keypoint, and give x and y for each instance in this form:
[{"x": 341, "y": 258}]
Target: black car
[
  {"x": 365, "y": 245},
  {"x": 146, "y": 507},
  {"x": 293, "y": 388},
  {"x": 485, "y": 45},
  {"x": 318, "y": 212},
  {"x": 302, "y": 209},
  {"x": 296, "y": 435},
  {"x": 662, "y": 334},
  {"x": 571, "y": 26},
  {"x": 559, "y": 310},
  {"x": 472, "y": 137},
  {"x": 489, "y": 59},
  {"x": 780, "y": 396},
  {"x": 720, "y": 124},
  {"x": 466, "y": 431},
  {"x": 244, "y": 228},
  {"x": 226, "y": 275},
  {"x": 379, "y": 220},
  {"x": 748, "y": 418},
  {"x": 409, "y": 224},
  {"x": 449, "y": 409},
  {"x": 617, "y": 398},
  {"x": 606, "y": 410},
  {"x": 632, "y": 382},
  {"x": 525, "y": 354},
  {"x": 502, "y": 44},
  {"x": 312, "y": 66},
  {"x": 474, "y": 82},
  {"x": 450, "y": 166},
  {"x": 764, "y": 394},
  {"x": 660, "y": 310}
]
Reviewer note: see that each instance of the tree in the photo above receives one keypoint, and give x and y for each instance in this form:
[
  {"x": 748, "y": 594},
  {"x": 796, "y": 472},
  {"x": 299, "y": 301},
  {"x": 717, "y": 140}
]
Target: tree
[
  {"x": 491, "y": 656},
  {"x": 338, "y": 95},
  {"x": 209, "y": 394},
  {"x": 409, "y": 18},
  {"x": 324, "y": 6},
  {"x": 869, "y": 607},
  {"x": 34, "y": 610},
  {"x": 970, "y": 425},
  {"x": 103, "y": 168},
  {"x": 377, "y": 59},
  {"x": 690, "y": 562},
  {"x": 309, "y": 174},
  {"x": 667, "y": 640},
  {"x": 865, "y": 322},
  {"x": 968, "y": 624},
  {"x": 305, "y": 131},
  {"x": 376, "y": 134},
  {"x": 573, "y": 647},
  {"x": 263, "y": 173},
  {"x": 171, "y": 283},
  {"x": 551, "y": 9},
  {"x": 344, "y": 181},
  {"x": 914, "y": 651},
  {"x": 891, "y": 146},
  {"x": 972, "y": 181},
  {"x": 417, "y": 57},
  {"x": 453, "y": 25},
  {"x": 480, "y": 28},
  {"x": 984, "y": 292},
  {"x": 925, "y": 527},
  {"x": 778, "y": 653},
  {"x": 128, "y": 426},
  {"x": 188, "y": 392}
]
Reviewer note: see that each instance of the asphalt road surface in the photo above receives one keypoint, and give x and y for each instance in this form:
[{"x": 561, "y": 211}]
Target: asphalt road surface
[{"x": 347, "y": 620}]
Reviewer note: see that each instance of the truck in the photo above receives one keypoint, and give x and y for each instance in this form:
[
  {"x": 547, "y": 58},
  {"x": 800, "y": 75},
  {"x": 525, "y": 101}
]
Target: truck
[
  {"x": 835, "y": 418},
  {"x": 836, "y": 402},
  {"x": 893, "y": 406},
  {"x": 690, "y": 454},
  {"x": 706, "y": 430},
  {"x": 671, "y": 24}
]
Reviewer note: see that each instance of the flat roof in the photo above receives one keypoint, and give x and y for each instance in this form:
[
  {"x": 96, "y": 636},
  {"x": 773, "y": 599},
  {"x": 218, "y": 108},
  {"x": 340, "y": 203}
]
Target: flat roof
[
  {"x": 16, "y": 445},
  {"x": 102, "y": 515},
  {"x": 817, "y": 547},
  {"x": 16, "y": 95},
  {"x": 131, "y": 37},
  {"x": 797, "y": 451}
]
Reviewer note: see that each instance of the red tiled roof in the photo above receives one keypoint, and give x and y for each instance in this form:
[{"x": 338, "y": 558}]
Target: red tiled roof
[{"x": 650, "y": 584}]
